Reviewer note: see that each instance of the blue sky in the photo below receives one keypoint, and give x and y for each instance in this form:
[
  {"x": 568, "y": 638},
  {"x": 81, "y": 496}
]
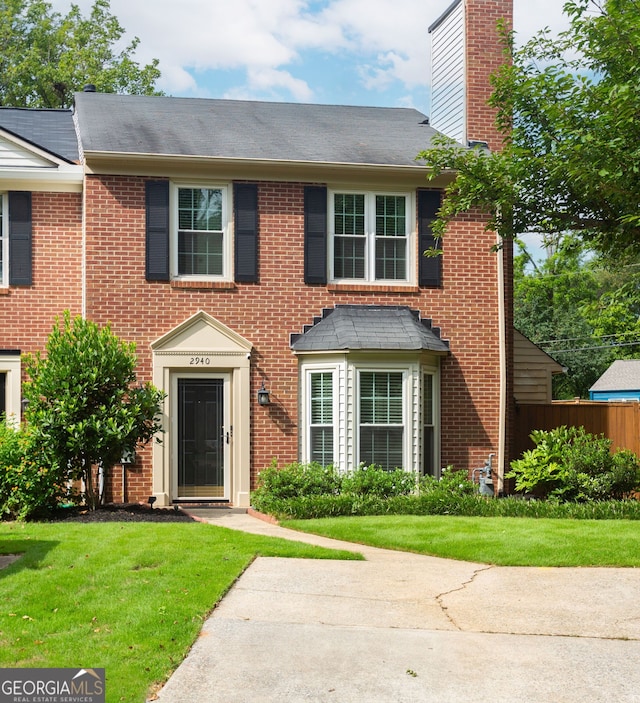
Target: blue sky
[{"x": 357, "y": 52}]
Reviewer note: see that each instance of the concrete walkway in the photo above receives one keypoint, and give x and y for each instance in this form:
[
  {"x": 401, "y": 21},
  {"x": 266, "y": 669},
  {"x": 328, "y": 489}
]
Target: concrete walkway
[{"x": 408, "y": 628}]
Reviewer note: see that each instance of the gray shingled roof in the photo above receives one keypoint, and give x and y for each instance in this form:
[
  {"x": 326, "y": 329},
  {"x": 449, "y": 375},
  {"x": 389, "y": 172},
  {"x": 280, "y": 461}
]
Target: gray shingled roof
[
  {"x": 622, "y": 375},
  {"x": 369, "y": 327},
  {"x": 51, "y": 130},
  {"x": 238, "y": 129}
]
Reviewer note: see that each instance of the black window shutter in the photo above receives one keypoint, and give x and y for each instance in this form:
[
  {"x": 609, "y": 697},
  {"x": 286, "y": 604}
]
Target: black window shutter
[
  {"x": 157, "y": 234},
  {"x": 315, "y": 234},
  {"x": 245, "y": 200},
  {"x": 20, "y": 239},
  {"x": 429, "y": 267}
]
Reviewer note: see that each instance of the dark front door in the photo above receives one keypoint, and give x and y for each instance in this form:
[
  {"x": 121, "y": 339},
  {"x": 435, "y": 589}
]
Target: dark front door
[{"x": 201, "y": 438}]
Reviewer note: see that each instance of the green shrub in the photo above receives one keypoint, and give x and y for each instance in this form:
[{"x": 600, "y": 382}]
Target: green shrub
[
  {"x": 298, "y": 479},
  {"x": 452, "y": 481},
  {"x": 375, "y": 481},
  {"x": 310, "y": 491},
  {"x": 30, "y": 484},
  {"x": 570, "y": 464}
]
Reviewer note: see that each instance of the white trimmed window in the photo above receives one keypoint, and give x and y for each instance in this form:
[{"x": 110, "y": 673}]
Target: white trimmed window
[
  {"x": 321, "y": 416},
  {"x": 381, "y": 419},
  {"x": 429, "y": 411},
  {"x": 356, "y": 413},
  {"x": 370, "y": 236},
  {"x": 4, "y": 240},
  {"x": 201, "y": 246}
]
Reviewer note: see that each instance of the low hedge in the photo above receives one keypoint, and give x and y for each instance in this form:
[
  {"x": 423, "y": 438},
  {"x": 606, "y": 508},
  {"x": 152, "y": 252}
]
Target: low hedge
[{"x": 296, "y": 492}]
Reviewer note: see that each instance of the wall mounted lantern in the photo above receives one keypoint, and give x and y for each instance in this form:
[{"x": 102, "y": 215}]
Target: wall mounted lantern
[{"x": 263, "y": 396}]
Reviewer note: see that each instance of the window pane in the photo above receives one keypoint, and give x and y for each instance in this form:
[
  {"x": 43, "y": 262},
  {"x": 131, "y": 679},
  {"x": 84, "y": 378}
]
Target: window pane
[
  {"x": 380, "y": 398},
  {"x": 381, "y": 446},
  {"x": 349, "y": 257},
  {"x": 428, "y": 428},
  {"x": 321, "y": 421},
  {"x": 391, "y": 259},
  {"x": 200, "y": 253},
  {"x": 390, "y": 216},
  {"x": 200, "y": 209},
  {"x": 349, "y": 213},
  {"x": 321, "y": 398},
  {"x": 322, "y": 445},
  {"x": 427, "y": 397}
]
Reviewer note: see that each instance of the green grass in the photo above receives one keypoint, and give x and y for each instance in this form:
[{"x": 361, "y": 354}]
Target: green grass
[
  {"x": 503, "y": 541},
  {"x": 129, "y": 597}
]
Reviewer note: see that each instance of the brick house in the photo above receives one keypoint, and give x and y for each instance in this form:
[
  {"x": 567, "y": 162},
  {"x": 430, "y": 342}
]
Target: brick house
[{"x": 266, "y": 258}]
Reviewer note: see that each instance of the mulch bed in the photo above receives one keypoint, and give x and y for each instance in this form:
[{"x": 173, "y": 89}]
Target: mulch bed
[{"x": 130, "y": 512}]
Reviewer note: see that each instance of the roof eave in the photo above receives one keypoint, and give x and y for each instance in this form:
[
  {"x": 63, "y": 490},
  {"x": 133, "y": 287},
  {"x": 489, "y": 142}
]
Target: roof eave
[
  {"x": 162, "y": 165},
  {"x": 53, "y": 179}
]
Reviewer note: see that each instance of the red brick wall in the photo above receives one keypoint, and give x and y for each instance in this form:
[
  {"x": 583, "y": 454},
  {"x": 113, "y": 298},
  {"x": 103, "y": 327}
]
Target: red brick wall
[
  {"x": 485, "y": 55},
  {"x": 267, "y": 313},
  {"x": 28, "y": 312}
]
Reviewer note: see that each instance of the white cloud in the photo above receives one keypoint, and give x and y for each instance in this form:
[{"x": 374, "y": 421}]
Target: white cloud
[{"x": 385, "y": 40}]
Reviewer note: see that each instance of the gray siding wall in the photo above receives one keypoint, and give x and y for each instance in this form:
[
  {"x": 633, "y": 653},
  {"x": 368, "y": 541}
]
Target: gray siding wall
[{"x": 448, "y": 75}]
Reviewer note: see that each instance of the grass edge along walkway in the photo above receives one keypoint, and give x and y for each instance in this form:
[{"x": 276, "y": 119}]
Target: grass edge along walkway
[
  {"x": 127, "y": 597},
  {"x": 502, "y": 541}
]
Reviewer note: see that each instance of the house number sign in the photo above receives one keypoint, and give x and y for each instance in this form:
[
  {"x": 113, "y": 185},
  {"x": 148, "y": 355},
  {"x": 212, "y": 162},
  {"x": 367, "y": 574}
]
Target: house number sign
[{"x": 199, "y": 361}]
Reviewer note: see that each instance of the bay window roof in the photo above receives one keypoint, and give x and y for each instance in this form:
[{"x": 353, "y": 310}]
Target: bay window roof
[{"x": 370, "y": 327}]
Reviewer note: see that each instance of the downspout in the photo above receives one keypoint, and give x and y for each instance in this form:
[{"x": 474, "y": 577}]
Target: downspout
[
  {"x": 84, "y": 249},
  {"x": 83, "y": 263},
  {"x": 502, "y": 337}
]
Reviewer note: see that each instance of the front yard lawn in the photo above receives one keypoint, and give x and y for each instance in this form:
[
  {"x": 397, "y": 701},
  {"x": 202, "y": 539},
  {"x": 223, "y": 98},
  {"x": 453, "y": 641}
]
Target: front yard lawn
[
  {"x": 504, "y": 541},
  {"x": 127, "y": 597}
]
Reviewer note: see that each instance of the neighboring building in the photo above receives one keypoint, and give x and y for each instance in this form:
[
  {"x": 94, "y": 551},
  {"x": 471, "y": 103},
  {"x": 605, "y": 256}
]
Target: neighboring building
[
  {"x": 40, "y": 236},
  {"x": 533, "y": 371},
  {"x": 252, "y": 247},
  {"x": 621, "y": 381}
]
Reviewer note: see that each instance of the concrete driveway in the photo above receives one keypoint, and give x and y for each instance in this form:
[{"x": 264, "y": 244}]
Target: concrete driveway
[{"x": 408, "y": 628}]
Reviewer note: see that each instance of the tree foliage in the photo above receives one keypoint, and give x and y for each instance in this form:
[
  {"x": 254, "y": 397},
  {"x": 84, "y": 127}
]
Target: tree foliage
[
  {"x": 567, "y": 107},
  {"x": 47, "y": 56},
  {"x": 582, "y": 312},
  {"x": 83, "y": 403}
]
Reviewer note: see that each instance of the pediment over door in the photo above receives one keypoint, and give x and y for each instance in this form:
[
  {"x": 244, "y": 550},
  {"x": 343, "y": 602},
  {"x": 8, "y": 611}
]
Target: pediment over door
[{"x": 202, "y": 333}]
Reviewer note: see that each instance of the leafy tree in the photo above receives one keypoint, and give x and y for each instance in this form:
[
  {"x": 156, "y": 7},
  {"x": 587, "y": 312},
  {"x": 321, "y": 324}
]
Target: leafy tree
[
  {"x": 83, "y": 402},
  {"x": 567, "y": 108},
  {"x": 549, "y": 305},
  {"x": 582, "y": 312},
  {"x": 46, "y": 56}
]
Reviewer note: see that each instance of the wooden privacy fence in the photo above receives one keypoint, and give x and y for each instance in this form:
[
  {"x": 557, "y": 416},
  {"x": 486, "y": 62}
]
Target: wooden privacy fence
[{"x": 620, "y": 422}]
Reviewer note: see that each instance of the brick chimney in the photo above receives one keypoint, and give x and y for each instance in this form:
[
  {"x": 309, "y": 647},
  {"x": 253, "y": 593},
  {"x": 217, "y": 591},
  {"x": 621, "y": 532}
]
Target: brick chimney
[{"x": 465, "y": 51}]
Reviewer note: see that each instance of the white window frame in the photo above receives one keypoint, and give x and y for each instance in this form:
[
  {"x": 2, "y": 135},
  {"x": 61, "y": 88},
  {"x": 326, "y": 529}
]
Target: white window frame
[
  {"x": 11, "y": 365},
  {"x": 227, "y": 268},
  {"x": 309, "y": 371},
  {"x": 4, "y": 239},
  {"x": 407, "y": 433},
  {"x": 370, "y": 236},
  {"x": 433, "y": 373}
]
